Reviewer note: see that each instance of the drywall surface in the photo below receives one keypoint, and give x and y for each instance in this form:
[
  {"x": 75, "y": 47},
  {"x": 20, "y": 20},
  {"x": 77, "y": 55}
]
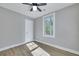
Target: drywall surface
[
  {"x": 66, "y": 28},
  {"x": 12, "y": 28}
]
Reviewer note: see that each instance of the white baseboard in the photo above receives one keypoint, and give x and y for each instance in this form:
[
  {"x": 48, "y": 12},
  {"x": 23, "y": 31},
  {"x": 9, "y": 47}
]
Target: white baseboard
[
  {"x": 59, "y": 47},
  {"x": 5, "y": 48}
]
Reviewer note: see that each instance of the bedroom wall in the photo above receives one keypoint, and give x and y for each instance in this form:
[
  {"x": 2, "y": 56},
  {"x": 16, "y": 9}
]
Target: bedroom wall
[
  {"x": 66, "y": 28},
  {"x": 12, "y": 28}
]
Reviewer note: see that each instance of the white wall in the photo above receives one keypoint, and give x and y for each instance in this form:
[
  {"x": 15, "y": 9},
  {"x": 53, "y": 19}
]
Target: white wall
[
  {"x": 66, "y": 28},
  {"x": 12, "y": 28}
]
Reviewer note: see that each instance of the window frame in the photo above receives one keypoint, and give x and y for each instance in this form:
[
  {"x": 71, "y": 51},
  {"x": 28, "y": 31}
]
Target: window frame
[{"x": 52, "y": 36}]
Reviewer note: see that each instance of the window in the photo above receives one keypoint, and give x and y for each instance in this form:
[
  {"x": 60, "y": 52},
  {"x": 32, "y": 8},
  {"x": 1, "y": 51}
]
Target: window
[{"x": 49, "y": 26}]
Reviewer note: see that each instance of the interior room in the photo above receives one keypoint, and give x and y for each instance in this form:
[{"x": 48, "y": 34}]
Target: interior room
[{"x": 39, "y": 29}]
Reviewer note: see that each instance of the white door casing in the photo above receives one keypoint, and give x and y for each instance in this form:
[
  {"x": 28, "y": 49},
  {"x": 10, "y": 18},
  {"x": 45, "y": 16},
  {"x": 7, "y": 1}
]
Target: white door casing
[{"x": 28, "y": 30}]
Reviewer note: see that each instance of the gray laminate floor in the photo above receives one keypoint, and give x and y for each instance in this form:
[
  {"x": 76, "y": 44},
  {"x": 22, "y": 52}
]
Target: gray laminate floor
[{"x": 35, "y": 49}]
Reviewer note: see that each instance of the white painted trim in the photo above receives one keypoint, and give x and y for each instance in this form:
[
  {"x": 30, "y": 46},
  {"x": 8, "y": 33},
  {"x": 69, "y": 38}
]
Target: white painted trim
[
  {"x": 53, "y": 26},
  {"x": 28, "y": 23},
  {"x": 12, "y": 46},
  {"x": 59, "y": 47}
]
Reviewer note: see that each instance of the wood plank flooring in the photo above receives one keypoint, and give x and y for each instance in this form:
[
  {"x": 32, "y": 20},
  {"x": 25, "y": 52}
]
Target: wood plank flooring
[
  {"x": 55, "y": 51},
  {"x": 23, "y": 50}
]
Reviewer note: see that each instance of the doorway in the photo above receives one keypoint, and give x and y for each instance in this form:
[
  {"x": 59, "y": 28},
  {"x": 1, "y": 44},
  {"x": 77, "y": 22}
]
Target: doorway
[{"x": 28, "y": 30}]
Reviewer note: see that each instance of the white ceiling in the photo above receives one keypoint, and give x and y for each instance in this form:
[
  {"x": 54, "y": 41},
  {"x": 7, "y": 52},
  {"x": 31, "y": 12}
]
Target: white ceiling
[{"x": 24, "y": 9}]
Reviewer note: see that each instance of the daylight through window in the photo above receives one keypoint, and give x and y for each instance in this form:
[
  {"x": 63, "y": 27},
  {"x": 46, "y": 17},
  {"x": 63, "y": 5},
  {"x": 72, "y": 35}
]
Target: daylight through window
[{"x": 49, "y": 26}]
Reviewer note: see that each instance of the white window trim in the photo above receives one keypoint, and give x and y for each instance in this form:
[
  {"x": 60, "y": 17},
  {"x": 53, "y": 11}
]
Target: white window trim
[{"x": 53, "y": 26}]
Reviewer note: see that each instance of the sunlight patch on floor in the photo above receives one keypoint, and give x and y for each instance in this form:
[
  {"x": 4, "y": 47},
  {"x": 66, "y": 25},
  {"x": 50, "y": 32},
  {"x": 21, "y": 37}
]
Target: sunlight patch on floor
[
  {"x": 38, "y": 51},
  {"x": 32, "y": 45}
]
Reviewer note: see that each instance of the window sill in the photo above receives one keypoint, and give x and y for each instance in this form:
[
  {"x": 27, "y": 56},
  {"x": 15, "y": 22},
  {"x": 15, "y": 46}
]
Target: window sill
[{"x": 48, "y": 36}]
